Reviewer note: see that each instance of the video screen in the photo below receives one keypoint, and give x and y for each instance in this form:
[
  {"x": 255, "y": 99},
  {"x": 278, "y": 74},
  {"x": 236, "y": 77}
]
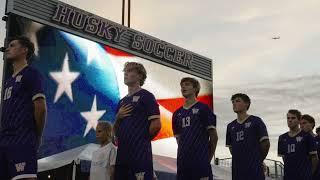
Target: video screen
[{"x": 83, "y": 82}]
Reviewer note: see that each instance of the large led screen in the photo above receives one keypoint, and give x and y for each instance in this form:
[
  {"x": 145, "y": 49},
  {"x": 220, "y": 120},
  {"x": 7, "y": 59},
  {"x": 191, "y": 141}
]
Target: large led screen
[{"x": 83, "y": 83}]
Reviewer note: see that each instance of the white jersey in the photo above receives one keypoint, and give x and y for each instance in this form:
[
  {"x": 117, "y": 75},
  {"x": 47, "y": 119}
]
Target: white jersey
[{"x": 102, "y": 160}]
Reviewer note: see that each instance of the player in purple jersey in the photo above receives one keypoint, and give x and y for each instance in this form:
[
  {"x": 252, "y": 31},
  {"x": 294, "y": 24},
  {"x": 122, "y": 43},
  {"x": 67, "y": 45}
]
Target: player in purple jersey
[
  {"x": 317, "y": 174},
  {"x": 137, "y": 123},
  {"x": 194, "y": 126},
  {"x": 248, "y": 141},
  {"x": 298, "y": 150},
  {"x": 23, "y": 114},
  {"x": 307, "y": 124}
]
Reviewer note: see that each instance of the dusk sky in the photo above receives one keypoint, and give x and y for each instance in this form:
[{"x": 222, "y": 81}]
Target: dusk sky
[{"x": 237, "y": 35}]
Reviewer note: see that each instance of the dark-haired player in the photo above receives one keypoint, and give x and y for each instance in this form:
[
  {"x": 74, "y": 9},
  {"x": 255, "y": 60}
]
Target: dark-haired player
[
  {"x": 247, "y": 139},
  {"x": 298, "y": 150},
  {"x": 23, "y": 114}
]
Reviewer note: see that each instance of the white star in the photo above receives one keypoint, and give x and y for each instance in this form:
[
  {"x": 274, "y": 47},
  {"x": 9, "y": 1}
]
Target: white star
[
  {"x": 64, "y": 80},
  {"x": 92, "y": 117}
]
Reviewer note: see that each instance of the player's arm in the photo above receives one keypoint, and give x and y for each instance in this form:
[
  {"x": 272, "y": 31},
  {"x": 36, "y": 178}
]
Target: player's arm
[
  {"x": 263, "y": 138},
  {"x": 312, "y": 149},
  {"x": 175, "y": 127},
  {"x": 264, "y": 146},
  {"x": 152, "y": 108},
  {"x": 40, "y": 112},
  {"x": 314, "y": 161},
  {"x": 155, "y": 127},
  {"x": 228, "y": 139},
  {"x": 280, "y": 148},
  {"x": 33, "y": 82},
  {"x": 213, "y": 139},
  {"x": 123, "y": 112}
]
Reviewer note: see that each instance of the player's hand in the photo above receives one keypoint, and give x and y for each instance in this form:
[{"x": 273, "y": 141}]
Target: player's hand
[{"x": 124, "y": 111}]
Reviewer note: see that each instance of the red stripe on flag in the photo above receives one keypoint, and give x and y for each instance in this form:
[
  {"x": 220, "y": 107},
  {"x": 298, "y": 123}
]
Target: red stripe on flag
[
  {"x": 174, "y": 103},
  {"x": 116, "y": 52}
]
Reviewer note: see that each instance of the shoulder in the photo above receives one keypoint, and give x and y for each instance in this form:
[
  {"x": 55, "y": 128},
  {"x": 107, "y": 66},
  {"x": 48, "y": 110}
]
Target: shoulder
[
  {"x": 31, "y": 72},
  {"x": 283, "y": 135},
  {"x": 256, "y": 119},
  {"x": 145, "y": 94},
  {"x": 203, "y": 106},
  {"x": 307, "y": 135},
  {"x": 177, "y": 111},
  {"x": 232, "y": 123}
]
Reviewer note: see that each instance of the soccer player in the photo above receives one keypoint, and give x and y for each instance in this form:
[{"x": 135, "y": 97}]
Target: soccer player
[
  {"x": 317, "y": 173},
  {"x": 307, "y": 124},
  {"x": 194, "y": 126},
  {"x": 103, "y": 159},
  {"x": 137, "y": 123},
  {"x": 298, "y": 150},
  {"x": 318, "y": 131},
  {"x": 248, "y": 141},
  {"x": 23, "y": 114}
]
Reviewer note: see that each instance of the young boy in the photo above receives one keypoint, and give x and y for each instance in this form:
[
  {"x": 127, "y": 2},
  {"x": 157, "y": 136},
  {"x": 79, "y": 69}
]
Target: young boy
[
  {"x": 103, "y": 159},
  {"x": 298, "y": 150}
]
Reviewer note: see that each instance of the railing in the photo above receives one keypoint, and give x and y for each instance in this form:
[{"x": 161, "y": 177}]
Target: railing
[{"x": 273, "y": 169}]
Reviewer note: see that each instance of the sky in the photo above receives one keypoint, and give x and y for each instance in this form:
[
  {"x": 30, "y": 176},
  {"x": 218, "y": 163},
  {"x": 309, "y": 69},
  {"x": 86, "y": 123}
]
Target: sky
[{"x": 237, "y": 35}]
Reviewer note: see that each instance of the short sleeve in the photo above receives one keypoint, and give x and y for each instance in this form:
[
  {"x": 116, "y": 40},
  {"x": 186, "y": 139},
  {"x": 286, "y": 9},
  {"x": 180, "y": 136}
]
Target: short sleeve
[
  {"x": 175, "y": 126},
  {"x": 208, "y": 118},
  {"x": 281, "y": 148},
  {"x": 262, "y": 130},
  {"x": 112, "y": 156},
  {"x": 152, "y": 106},
  {"x": 34, "y": 84},
  {"x": 311, "y": 144},
  {"x": 228, "y": 137}
]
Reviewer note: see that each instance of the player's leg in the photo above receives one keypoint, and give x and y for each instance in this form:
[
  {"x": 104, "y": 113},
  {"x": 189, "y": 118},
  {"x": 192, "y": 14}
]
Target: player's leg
[
  {"x": 121, "y": 172},
  {"x": 202, "y": 172},
  {"x": 22, "y": 162},
  {"x": 3, "y": 164},
  {"x": 141, "y": 171}
]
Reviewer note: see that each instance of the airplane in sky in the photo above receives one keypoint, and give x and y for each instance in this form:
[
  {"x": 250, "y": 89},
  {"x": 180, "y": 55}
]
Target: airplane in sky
[{"x": 275, "y": 38}]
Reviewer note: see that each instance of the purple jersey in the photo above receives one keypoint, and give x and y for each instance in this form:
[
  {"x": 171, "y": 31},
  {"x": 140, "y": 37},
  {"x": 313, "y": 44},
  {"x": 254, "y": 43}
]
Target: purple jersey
[
  {"x": 190, "y": 126},
  {"x": 134, "y": 141},
  {"x": 317, "y": 174},
  {"x": 17, "y": 121},
  {"x": 244, "y": 139},
  {"x": 296, "y": 152}
]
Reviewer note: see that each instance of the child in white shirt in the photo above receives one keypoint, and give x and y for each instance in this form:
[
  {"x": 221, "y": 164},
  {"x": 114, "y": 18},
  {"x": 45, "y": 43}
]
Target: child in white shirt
[{"x": 103, "y": 159}]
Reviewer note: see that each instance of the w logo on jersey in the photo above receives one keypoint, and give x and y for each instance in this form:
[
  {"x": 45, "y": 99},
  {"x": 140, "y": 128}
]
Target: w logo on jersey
[
  {"x": 247, "y": 125},
  {"x": 20, "y": 167},
  {"x": 140, "y": 175},
  {"x": 299, "y": 138},
  {"x": 135, "y": 98},
  {"x": 204, "y": 178},
  {"x": 195, "y": 111},
  {"x": 18, "y": 78}
]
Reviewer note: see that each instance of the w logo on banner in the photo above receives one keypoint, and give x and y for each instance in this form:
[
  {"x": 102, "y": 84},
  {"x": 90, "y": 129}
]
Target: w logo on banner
[
  {"x": 140, "y": 176},
  {"x": 20, "y": 167}
]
